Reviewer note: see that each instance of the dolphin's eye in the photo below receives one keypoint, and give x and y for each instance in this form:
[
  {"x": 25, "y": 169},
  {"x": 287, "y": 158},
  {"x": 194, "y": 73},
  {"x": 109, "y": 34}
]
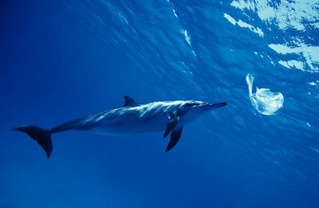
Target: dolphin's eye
[{"x": 190, "y": 104}]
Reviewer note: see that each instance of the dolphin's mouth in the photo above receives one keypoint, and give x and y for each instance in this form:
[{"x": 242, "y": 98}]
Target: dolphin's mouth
[
  {"x": 204, "y": 105},
  {"x": 215, "y": 105}
]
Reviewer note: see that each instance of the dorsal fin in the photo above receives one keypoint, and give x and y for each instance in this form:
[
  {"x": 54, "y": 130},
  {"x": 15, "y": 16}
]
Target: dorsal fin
[{"x": 129, "y": 102}]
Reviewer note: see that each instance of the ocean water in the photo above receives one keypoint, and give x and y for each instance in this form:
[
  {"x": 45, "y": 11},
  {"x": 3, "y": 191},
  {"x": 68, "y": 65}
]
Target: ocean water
[{"x": 61, "y": 60}]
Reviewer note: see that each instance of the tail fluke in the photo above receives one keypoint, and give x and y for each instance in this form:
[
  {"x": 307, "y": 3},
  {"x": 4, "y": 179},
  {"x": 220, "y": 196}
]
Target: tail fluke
[{"x": 42, "y": 136}]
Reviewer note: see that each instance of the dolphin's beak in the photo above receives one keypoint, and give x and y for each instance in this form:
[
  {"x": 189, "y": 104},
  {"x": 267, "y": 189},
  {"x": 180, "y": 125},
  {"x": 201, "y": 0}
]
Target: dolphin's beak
[{"x": 216, "y": 105}]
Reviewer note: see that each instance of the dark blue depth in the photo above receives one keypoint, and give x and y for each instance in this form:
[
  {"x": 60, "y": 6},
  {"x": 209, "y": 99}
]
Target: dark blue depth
[{"x": 61, "y": 60}]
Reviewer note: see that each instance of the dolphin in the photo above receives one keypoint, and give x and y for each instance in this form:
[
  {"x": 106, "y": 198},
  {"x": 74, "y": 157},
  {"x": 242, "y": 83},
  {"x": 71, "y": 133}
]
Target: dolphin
[{"x": 167, "y": 116}]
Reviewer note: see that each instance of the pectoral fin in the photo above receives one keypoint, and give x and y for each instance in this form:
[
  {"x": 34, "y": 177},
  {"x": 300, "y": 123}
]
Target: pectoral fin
[
  {"x": 175, "y": 136},
  {"x": 171, "y": 124}
]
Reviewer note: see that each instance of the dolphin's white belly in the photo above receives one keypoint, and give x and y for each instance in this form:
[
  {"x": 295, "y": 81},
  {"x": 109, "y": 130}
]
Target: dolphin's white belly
[{"x": 132, "y": 126}]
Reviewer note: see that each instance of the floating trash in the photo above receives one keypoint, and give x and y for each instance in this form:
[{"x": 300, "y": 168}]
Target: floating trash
[{"x": 264, "y": 101}]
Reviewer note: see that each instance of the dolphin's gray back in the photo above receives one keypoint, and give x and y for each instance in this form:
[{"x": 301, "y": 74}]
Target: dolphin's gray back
[
  {"x": 125, "y": 120},
  {"x": 132, "y": 120}
]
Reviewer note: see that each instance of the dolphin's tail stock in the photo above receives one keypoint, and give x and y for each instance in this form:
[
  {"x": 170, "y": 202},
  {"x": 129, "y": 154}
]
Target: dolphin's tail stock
[{"x": 42, "y": 136}]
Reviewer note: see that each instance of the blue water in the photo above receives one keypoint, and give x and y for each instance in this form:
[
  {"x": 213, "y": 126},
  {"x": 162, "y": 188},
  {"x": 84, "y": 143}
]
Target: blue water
[{"x": 61, "y": 60}]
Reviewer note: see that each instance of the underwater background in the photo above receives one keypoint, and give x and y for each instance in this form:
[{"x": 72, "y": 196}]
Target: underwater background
[{"x": 61, "y": 60}]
